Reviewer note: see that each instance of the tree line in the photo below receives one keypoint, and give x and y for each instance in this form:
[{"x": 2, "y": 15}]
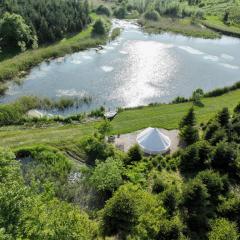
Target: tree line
[{"x": 27, "y": 23}]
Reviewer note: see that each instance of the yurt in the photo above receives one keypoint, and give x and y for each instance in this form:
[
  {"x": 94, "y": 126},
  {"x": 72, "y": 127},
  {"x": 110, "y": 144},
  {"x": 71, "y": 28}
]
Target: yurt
[{"x": 153, "y": 141}]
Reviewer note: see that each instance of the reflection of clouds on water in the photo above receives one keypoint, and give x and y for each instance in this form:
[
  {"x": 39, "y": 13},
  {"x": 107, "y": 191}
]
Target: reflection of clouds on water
[
  {"x": 87, "y": 57},
  {"x": 145, "y": 76},
  {"x": 211, "y": 58},
  {"x": 115, "y": 43},
  {"x": 123, "y": 52},
  {"x": 76, "y": 61},
  {"x": 227, "y": 57},
  {"x": 103, "y": 51},
  {"x": 191, "y": 50},
  {"x": 69, "y": 93},
  {"x": 109, "y": 48},
  {"x": 107, "y": 68},
  {"x": 226, "y": 65}
]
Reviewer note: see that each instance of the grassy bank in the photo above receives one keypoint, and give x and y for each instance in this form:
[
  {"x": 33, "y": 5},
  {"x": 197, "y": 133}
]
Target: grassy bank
[
  {"x": 214, "y": 23},
  {"x": 180, "y": 26},
  {"x": 15, "y": 66},
  {"x": 163, "y": 116}
]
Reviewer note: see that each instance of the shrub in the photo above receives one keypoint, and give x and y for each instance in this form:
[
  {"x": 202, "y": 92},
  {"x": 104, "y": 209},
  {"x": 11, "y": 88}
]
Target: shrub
[
  {"x": 120, "y": 12},
  {"x": 134, "y": 154},
  {"x": 99, "y": 27},
  {"x": 152, "y": 15},
  {"x": 107, "y": 176},
  {"x": 103, "y": 10}
]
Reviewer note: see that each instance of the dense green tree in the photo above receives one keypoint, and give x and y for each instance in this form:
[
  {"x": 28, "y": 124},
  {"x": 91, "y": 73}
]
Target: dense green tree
[
  {"x": 224, "y": 117},
  {"x": 196, "y": 157},
  {"x": 107, "y": 176},
  {"x": 99, "y": 27},
  {"x": 196, "y": 201},
  {"x": 131, "y": 211},
  {"x": 55, "y": 220},
  {"x": 222, "y": 229},
  {"x": 225, "y": 158},
  {"x": 103, "y": 10},
  {"x": 189, "y": 119},
  {"x": 152, "y": 15},
  {"x": 50, "y": 20},
  {"x": 189, "y": 134},
  {"x": 134, "y": 154},
  {"x": 216, "y": 184},
  {"x": 16, "y": 33}
]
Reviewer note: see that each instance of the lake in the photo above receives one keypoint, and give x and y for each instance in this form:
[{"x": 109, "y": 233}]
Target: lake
[{"x": 135, "y": 69}]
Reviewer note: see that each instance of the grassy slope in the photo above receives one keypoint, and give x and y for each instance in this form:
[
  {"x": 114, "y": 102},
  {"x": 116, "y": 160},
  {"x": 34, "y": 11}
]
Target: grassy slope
[
  {"x": 215, "y": 10},
  {"x": 180, "y": 26},
  {"x": 10, "y": 68},
  {"x": 164, "y": 116}
]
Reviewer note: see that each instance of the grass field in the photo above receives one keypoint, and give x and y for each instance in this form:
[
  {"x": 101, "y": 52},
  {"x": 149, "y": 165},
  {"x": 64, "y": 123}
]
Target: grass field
[{"x": 164, "y": 116}]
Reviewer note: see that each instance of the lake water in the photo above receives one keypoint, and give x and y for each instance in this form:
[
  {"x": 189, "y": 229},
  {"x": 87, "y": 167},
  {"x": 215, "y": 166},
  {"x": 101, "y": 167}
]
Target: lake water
[{"x": 136, "y": 69}]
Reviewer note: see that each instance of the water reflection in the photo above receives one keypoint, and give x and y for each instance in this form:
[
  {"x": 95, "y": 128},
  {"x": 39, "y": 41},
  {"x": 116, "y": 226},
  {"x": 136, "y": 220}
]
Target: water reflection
[{"x": 136, "y": 69}]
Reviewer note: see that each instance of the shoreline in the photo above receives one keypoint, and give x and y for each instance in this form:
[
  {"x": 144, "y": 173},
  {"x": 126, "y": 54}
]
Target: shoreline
[{"x": 20, "y": 65}]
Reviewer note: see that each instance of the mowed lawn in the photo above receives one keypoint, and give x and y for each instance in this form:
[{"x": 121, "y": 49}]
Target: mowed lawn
[{"x": 162, "y": 116}]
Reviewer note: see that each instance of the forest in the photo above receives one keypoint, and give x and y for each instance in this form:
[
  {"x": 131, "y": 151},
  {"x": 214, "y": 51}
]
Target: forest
[
  {"x": 39, "y": 22},
  {"x": 192, "y": 194}
]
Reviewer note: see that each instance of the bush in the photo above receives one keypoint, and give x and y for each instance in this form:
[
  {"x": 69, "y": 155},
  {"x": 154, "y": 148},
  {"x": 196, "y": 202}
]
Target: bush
[
  {"x": 107, "y": 176},
  {"x": 134, "y": 154},
  {"x": 99, "y": 27},
  {"x": 103, "y": 10},
  {"x": 152, "y": 15},
  {"x": 120, "y": 12}
]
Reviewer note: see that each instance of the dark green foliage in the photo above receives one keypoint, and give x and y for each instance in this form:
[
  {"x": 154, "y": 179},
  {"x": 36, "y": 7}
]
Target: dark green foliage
[
  {"x": 99, "y": 27},
  {"x": 134, "y": 154},
  {"x": 237, "y": 109},
  {"x": 196, "y": 157},
  {"x": 221, "y": 91},
  {"x": 189, "y": 119},
  {"x": 188, "y": 130},
  {"x": 103, "y": 10},
  {"x": 152, "y": 15},
  {"x": 225, "y": 158},
  {"x": 195, "y": 201},
  {"x": 120, "y": 12},
  {"x": 170, "y": 229},
  {"x": 215, "y": 183},
  {"x": 121, "y": 212},
  {"x": 50, "y": 19},
  {"x": 15, "y": 33},
  {"x": 197, "y": 96},
  {"x": 95, "y": 148},
  {"x": 224, "y": 117},
  {"x": 189, "y": 135}
]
